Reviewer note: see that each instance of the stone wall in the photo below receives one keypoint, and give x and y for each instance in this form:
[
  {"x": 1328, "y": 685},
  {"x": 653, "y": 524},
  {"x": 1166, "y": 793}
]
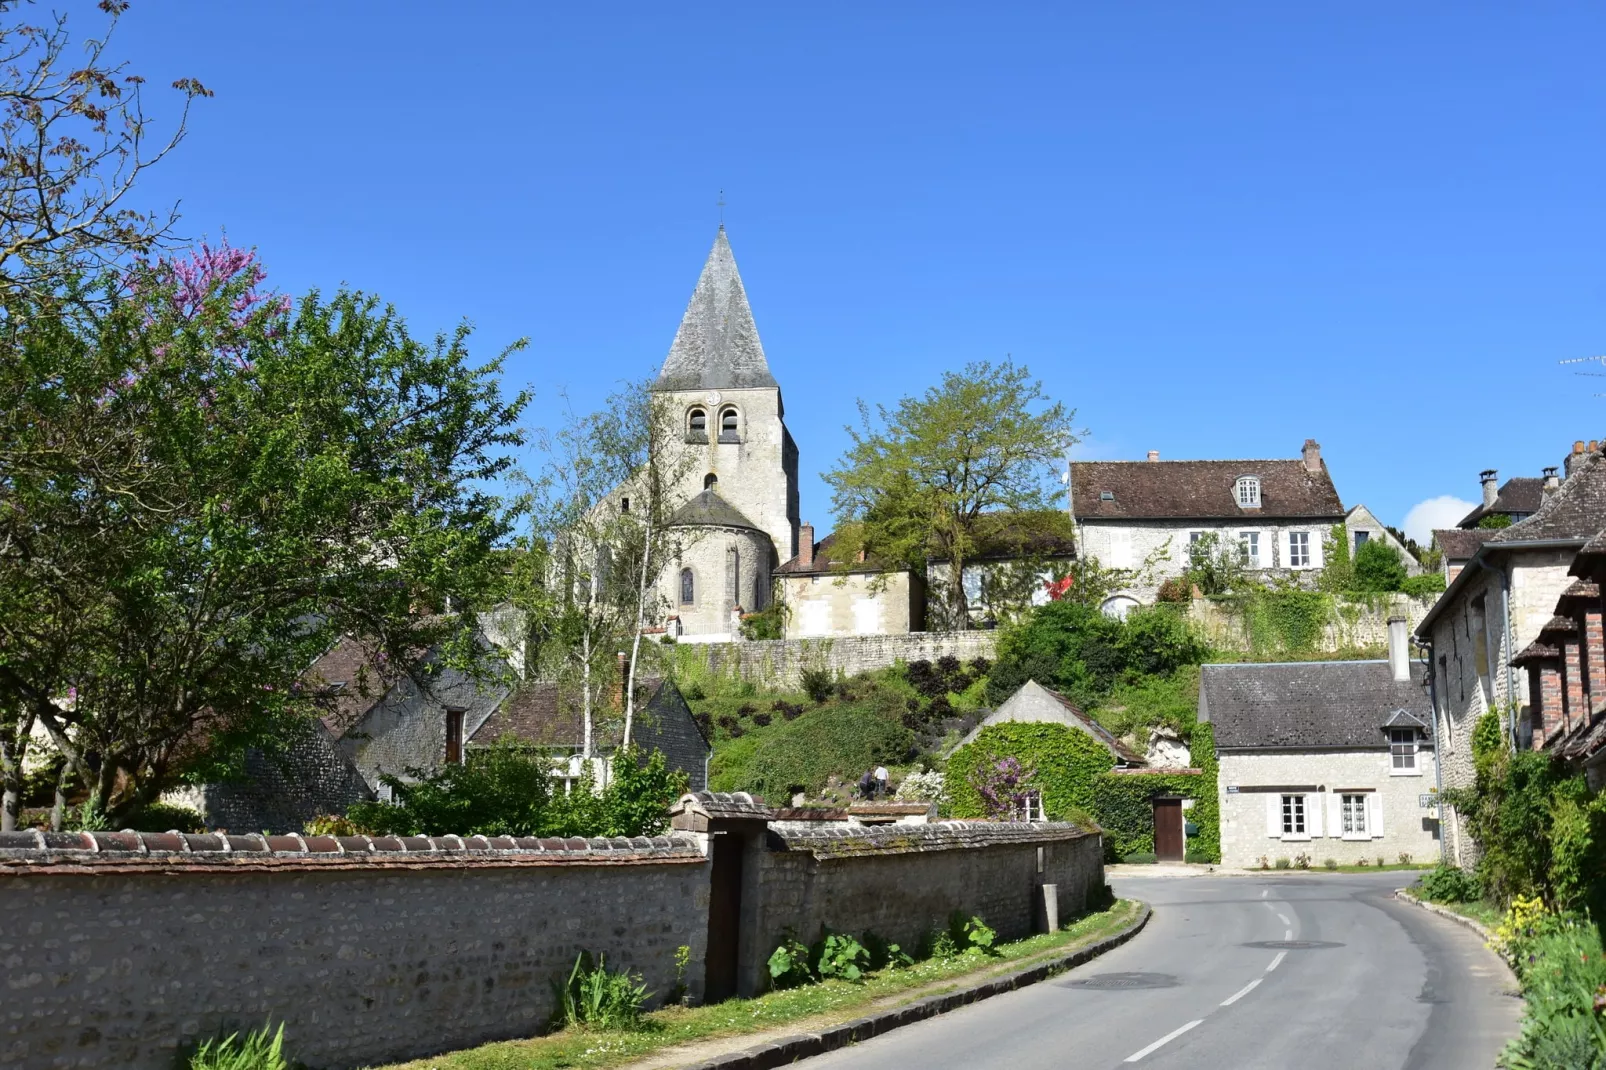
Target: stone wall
[
  {"x": 1360, "y": 624},
  {"x": 901, "y": 882},
  {"x": 123, "y": 947},
  {"x": 116, "y": 957},
  {"x": 779, "y": 663}
]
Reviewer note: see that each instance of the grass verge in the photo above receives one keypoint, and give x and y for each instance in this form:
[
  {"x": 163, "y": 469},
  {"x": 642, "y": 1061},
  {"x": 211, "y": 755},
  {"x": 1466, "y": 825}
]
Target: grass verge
[
  {"x": 812, "y": 1006},
  {"x": 1318, "y": 868},
  {"x": 1480, "y": 912}
]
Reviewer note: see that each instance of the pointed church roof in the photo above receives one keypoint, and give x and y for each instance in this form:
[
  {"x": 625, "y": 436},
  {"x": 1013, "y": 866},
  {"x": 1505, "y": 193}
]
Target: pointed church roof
[{"x": 717, "y": 346}]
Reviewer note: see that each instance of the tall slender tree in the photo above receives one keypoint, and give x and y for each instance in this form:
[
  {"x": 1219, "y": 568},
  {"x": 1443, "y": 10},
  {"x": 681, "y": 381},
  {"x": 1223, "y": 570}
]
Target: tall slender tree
[{"x": 919, "y": 477}]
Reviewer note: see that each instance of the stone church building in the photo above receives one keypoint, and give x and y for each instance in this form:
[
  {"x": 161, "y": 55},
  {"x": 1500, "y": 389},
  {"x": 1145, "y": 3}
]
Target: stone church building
[{"x": 738, "y": 474}]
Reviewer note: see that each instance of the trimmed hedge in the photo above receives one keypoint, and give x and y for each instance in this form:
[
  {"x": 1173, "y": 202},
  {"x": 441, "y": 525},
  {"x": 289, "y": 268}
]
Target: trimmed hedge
[{"x": 1073, "y": 773}]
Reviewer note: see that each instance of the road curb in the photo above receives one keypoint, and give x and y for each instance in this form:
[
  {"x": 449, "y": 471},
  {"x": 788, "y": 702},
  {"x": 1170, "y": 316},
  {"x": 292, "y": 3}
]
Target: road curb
[
  {"x": 1460, "y": 919},
  {"x": 786, "y": 1050}
]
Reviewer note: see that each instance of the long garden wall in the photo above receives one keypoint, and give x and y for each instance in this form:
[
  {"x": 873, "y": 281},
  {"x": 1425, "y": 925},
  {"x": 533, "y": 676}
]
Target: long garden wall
[{"x": 121, "y": 948}]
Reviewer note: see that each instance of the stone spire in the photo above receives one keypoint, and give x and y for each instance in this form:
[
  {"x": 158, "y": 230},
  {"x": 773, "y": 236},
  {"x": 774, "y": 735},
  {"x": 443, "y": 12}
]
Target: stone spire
[{"x": 717, "y": 346}]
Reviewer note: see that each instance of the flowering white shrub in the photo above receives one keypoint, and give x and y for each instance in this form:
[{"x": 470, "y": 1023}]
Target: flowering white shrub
[{"x": 923, "y": 787}]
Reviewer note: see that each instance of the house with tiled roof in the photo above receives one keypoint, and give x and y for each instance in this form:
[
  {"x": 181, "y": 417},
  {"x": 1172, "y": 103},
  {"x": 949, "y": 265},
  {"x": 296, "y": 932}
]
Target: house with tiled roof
[
  {"x": 1032, "y": 703},
  {"x": 829, "y": 593},
  {"x": 1331, "y": 759},
  {"x": 1482, "y": 632},
  {"x": 1144, "y": 516}
]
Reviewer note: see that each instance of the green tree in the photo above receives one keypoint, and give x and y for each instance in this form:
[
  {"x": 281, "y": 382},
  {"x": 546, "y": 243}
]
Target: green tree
[
  {"x": 918, "y": 478},
  {"x": 1378, "y": 568},
  {"x": 241, "y": 484},
  {"x": 1215, "y": 566}
]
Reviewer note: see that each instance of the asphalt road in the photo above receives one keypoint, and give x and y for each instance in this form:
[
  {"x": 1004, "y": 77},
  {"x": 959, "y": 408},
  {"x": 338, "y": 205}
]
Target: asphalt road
[{"x": 1386, "y": 985}]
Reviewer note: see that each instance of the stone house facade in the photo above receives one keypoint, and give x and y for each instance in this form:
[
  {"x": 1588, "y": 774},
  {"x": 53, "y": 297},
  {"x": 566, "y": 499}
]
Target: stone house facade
[
  {"x": 1034, "y": 703},
  {"x": 828, "y": 597},
  {"x": 1144, "y": 516},
  {"x": 1328, "y": 759},
  {"x": 1497, "y": 606},
  {"x": 1361, "y": 526}
]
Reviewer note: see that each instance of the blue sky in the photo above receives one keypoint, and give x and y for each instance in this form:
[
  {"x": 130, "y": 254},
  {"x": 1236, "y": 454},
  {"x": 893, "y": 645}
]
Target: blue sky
[{"x": 1213, "y": 229}]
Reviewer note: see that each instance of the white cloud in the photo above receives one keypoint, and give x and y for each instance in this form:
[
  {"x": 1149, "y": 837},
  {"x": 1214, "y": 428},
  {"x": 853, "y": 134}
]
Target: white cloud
[{"x": 1445, "y": 511}]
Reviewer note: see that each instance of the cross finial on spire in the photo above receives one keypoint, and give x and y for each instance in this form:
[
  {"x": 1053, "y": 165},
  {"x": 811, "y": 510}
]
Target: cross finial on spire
[{"x": 721, "y": 209}]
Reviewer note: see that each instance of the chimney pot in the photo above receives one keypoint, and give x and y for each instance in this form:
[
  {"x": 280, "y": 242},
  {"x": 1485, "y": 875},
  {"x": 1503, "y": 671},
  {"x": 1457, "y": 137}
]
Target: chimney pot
[
  {"x": 1154, "y": 455},
  {"x": 1578, "y": 446},
  {"x": 805, "y": 545},
  {"x": 1399, "y": 651},
  {"x": 1552, "y": 481},
  {"x": 1312, "y": 455},
  {"x": 1489, "y": 478}
]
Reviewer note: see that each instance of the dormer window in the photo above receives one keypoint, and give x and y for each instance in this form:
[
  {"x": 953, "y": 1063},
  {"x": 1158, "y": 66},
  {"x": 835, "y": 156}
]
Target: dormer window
[{"x": 1248, "y": 492}]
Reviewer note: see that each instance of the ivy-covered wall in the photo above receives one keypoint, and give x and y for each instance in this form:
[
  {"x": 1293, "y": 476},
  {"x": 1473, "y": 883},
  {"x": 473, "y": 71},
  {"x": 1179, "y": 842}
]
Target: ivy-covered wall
[
  {"x": 1073, "y": 772},
  {"x": 1282, "y": 625}
]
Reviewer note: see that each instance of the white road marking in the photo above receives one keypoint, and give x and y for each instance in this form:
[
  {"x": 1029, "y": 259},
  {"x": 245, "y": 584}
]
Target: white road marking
[
  {"x": 1241, "y": 993},
  {"x": 1288, "y": 934},
  {"x": 1168, "y": 1038},
  {"x": 1278, "y": 961},
  {"x": 1263, "y": 892},
  {"x": 1284, "y": 919}
]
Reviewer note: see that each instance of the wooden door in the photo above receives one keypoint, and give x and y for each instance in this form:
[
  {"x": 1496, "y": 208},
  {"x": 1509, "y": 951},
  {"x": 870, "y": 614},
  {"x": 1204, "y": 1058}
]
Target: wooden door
[
  {"x": 1168, "y": 837},
  {"x": 724, "y": 918}
]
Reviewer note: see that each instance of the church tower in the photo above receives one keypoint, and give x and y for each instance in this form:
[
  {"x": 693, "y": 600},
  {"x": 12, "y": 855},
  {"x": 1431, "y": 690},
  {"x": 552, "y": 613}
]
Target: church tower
[{"x": 729, "y": 405}]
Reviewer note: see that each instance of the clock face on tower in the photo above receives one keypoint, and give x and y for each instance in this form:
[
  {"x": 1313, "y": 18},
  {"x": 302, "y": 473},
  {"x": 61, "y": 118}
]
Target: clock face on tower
[{"x": 714, "y": 397}]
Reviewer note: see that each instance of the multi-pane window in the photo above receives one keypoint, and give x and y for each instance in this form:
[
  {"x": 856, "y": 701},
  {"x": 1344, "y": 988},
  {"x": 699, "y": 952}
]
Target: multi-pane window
[
  {"x": 1299, "y": 549},
  {"x": 1402, "y": 749},
  {"x": 1354, "y": 812},
  {"x": 1293, "y": 815},
  {"x": 1248, "y": 491},
  {"x": 1249, "y": 548}
]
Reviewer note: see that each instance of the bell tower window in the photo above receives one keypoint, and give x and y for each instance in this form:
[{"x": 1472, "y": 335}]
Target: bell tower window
[
  {"x": 710, "y": 482},
  {"x": 697, "y": 424},
  {"x": 729, "y": 425}
]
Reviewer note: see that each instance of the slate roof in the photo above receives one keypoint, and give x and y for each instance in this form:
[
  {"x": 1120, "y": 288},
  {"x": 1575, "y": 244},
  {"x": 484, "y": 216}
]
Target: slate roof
[
  {"x": 350, "y": 678},
  {"x": 1034, "y": 703},
  {"x": 1340, "y": 704},
  {"x": 717, "y": 346},
  {"x": 1535, "y": 651},
  {"x": 1520, "y": 494},
  {"x": 708, "y": 509},
  {"x": 1591, "y": 557},
  {"x": 1459, "y": 544},
  {"x": 1185, "y": 490},
  {"x": 1575, "y": 510},
  {"x": 537, "y": 713}
]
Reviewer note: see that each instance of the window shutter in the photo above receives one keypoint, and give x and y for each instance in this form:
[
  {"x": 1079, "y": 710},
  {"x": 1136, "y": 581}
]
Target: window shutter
[
  {"x": 1274, "y": 815},
  {"x": 1374, "y": 813},
  {"x": 1313, "y": 815},
  {"x": 1335, "y": 814}
]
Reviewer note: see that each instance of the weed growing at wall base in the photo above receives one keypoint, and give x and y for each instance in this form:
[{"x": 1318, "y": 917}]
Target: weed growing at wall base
[
  {"x": 256, "y": 1050},
  {"x": 597, "y": 997}
]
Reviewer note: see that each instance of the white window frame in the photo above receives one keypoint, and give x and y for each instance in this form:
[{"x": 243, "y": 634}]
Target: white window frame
[
  {"x": 1299, "y": 549},
  {"x": 1294, "y": 813},
  {"x": 1249, "y": 548},
  {"x": 1403, "y": 744},
  {"x": 1354, "y": 816},
  {"x": 1247, "y": 492}
]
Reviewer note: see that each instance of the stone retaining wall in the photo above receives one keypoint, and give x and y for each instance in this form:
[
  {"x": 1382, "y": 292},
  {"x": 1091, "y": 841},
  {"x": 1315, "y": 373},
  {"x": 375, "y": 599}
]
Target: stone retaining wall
[{"x": 779, "y": 663}]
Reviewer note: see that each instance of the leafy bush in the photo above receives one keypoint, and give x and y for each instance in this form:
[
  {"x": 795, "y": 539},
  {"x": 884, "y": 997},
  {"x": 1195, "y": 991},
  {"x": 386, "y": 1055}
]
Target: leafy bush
[
  {"x": 818, "y": 684},
  {"x": 506, "y": 790},
  {"x": 1557, "y": 959},
  {"x": 595, "y": 996},
  {"x": 1378, "y": 568},
  {"x": 789, "y": 964},
  {"x": 257, "y": 1050},
  {"x": 1332, "y": 863},
  {"x": 1423, "y": 585},
  {"x": 839, "y": 955},
  {"x": 762, "y": 720},
  {"x": 842, "y": 738},
  {"x": 923, "y": 787},
  {"x": 1448, "y": 884},
  {"x": 331, "y": 825},
  {"x": 1140, "y": 858},
  {"x": 1076, "y": 649},
  {"x": 167, "y": 817},
  {"x": 884, "y": 953},
  {"x": 1283, "y": 863}
]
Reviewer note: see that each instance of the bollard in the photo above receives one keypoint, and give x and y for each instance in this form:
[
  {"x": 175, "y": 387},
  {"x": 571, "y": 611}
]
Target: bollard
[{"x": 1049, "y": 911}]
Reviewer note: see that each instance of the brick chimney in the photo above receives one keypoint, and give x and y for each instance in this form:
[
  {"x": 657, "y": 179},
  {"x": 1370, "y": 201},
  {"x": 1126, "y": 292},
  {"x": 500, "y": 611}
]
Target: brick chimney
[
  {"x": 1154, "y": 455},
  {"x": 1573, "y": 458},
  {"x": 619, "y": 684},
  {"x": 805, "y": 545},
  {"x": 1312, "y": 454},
  {"x": 1491, "y": 490}
]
